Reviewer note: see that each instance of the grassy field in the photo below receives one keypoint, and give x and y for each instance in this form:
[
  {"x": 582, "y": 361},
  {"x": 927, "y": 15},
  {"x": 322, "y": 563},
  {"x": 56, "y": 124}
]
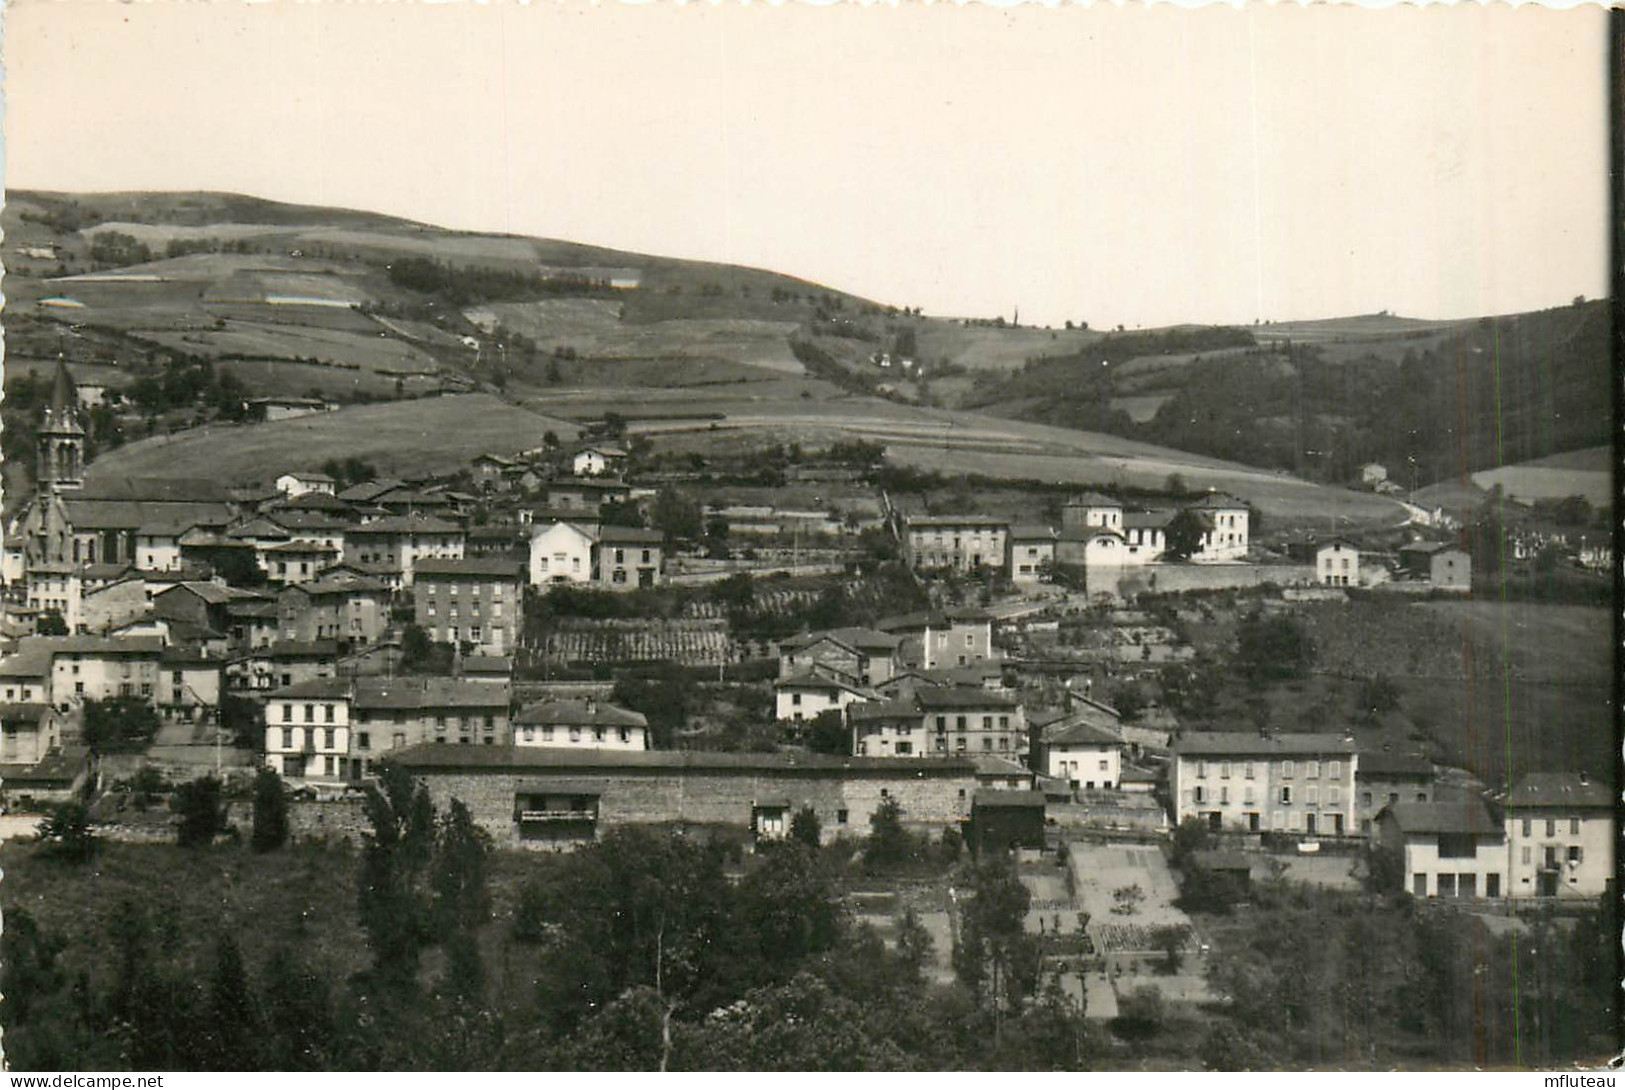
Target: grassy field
[
  {"x": 435, "y": 434},
  {"x": 992, "y": 347},
  {"x": 1531, "y": 481},
  {"x": 268, "y": 340}
]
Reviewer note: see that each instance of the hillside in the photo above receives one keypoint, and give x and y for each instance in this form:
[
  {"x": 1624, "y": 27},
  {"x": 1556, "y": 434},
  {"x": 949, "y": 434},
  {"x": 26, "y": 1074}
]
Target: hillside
[
  {"x": 1319, "y": 399},
  {"x": 429, "y": 435},
  {"x": 189, "y": 303}
]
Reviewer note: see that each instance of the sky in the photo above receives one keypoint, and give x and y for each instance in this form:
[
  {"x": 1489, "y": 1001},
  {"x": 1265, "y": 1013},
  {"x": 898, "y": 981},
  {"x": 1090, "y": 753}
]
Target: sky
[{"x": 1142, "y": 166}]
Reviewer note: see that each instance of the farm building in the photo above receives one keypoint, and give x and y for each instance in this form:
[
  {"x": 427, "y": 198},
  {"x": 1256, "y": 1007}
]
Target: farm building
[
  {"x": 580, "y": 724},
  {"x": 1444, "y": 849},
  {"x": 1560, "y": 836},
  {"x": 1337, "y": 563},
  {"x": 1002, "y": 820},
  {"x": 959, "y": 542},
  {"x": 1444, "y": 566},
  {"x": 288, "y": 408},
  {"x": 297, "y": 484},
  {"x": 1030, "y": 552}
]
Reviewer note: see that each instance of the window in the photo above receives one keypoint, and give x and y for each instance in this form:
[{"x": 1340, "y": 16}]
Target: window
[
  {"x": 1457, "y": 846},
  {"x": 575, "y": 734},
  {"x": 1365, "y": 798},
  {"x": 1249, "y": 770},
  {"x": 1286, "y": 796},
  {"x": 1105, "y": 766},
  {"x": 1286, "y": 770},
  {"x": 959, "y": 722},
  {"x": 287, "y": 717},
  {"x": 310, "y": 713},
  {"x": 969, "y": 639},
  {"x": 287, "y": 742},
  {"x": 1224, "y": 794},
  {"x": 905, "y": 748},
  {"x": 1574, "y": 826},
  {"x": 840, "y": 817},
  {"x": 1528, "y": 855},
  {"x": 960, "y": 746},
  {"x": 1224, "y": 770},
  {"x": 987, "y": 722},
  {"x": 1311, "y": 796},
  {"x": 1311, "y": 770},
  {"x": 328, "y": 737},
  {"x": 1201, "y": 793},
  {"x": 1551, "y": 826},
  {"x": 1004, "y": 722},
  {"x": 363, "y": 740},
  {"x": 547, "y": 734},
  {"x": 1334, "y": 796},
  {"x": 942, "y": 723},
  {"x": 795, "y": 698},
  {"x": 1201, "y": 770},
  {"x": 1528, "y": 830},
  {"x": 1574, "y": 855},
  {"x": 327, "y": 712}
]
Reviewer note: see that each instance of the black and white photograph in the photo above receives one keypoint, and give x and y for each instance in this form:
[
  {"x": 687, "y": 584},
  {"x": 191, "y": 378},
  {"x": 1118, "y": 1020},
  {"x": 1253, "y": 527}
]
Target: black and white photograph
[{"x": 786, "y": 537}]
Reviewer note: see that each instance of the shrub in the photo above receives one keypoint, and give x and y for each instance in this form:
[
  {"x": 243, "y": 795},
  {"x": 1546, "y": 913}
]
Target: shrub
[{"x": 67, "y": 834}]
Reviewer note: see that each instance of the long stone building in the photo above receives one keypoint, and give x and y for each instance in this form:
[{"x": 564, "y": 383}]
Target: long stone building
[{"x": 535, "y": 797}]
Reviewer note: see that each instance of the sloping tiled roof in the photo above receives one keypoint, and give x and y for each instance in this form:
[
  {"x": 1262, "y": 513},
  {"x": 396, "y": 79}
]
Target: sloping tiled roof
[
  {"x": 629, "y": 535},
  {"x": 963, "y": 697},
  {"x": 523, "y": 759},
  {"x": 1468, "y": 815},
  {"x": 320, "y": 688},
  {"x": 580, "y": 713},
  {"x": 428, "y": 692},
  {"x": 474, "y": 566},
  {"x": 158, "y": 489},
  {"x": 405, "y": 524},
  {"x": 1559, "y": 790},
  {"x": 1224, "y": 743},
  {"x": 858, "y": 639},
  {"x": 136, "y": 514},
  {"x": 1379, "y": 763}
]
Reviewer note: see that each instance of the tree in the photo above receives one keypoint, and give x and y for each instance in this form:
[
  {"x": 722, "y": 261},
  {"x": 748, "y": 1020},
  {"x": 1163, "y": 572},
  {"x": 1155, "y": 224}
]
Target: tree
[
  {"x": 1273, "y": 648},
  {"x": 50, "y": 623},
  {"x": 995, "y": 957},
  {"x": 789, "y": 907},
  {"x": 233, "y": 1028},
  {"x": 119, "y": 723},
  {"x": 1129, "y": 701},
  {"x": 66, "y": 833},
  {"x": 415, "y": 646},
  {"x": 201, "y": 809},
  {"x": 1183, "y": 536},
  {"x": 805, "y": 827},
  {"x": 828, "y": 733},
  {"x": 462, "y": 901},
  {"x": 1190, "y": 836},
  {"x": 1175, "y": 485},
  {"x": 677, "y": 516},
  {"x": 889, "y": 844},
  {"x": 270, "y": 812},
  {"x": 393, "y": 906},
  {"x": 1378, "y": 696}
]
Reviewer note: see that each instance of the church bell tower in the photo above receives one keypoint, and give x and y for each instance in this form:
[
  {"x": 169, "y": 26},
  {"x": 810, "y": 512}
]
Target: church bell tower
[{"x": 61, "y": 463}]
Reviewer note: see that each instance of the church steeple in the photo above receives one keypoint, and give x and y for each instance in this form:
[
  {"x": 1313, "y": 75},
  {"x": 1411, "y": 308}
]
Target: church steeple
[{"x": 61, "y": 462}]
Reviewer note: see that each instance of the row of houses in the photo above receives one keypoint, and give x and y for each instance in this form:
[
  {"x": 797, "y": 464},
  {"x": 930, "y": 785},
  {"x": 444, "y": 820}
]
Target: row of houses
[
  {"x": 1096, "y": 531},
  {"x": 1437, "y": 565}
]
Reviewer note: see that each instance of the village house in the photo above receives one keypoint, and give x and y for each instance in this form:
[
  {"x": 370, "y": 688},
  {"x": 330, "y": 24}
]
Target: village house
[
  {"x": 939, "y": 722},
  {"x": 287, "y": 408},
  {"x": 607, "y": 557},
  {"x": 958, "y": 636},
  {"x": 561, "y": 552},
  {"x": 344, "y": 607},
  {"x": 1030, "y": 553},
  {"x": 282, "y": 663},
  {"x": 307, "y": 731},
  {"x": 1084, "y": 547},
  {"x": 1287, "y": 783},
  {"x": 1372, "y": 474},
  {"x": 1444, "y": 849},
  {"x": 190, "y": 684},
  {"x": 473, "y": 603},
  {"x": 490, "y": 669},
  {"x": 56, "y": 588},
  {"x": 300, "y": 482},
  {"x": 1230, "y": 520},
  {"x": 1091, "y": 510},
  {"x": 492, "y": 471},
  {"x": 394, "y": 713},
  {"x": 1560, "y": 836},
  {"x": 397, "y": 542},
  {"x": 596, "y": 460},
  {"x": 25, "y": 675},
  {"x": 1337, "y": 563},
  {"x": 551, "y": 797},
  {"x": 814, "y": 690},
  {"x": 965, "y": 543},
  {"x": 583, "y": 723},
  {"x": 588, "y": 494},
  {"x": 97, "y": 667},
  {"x": 1383, "y": 779},
  {"x": 295, "y": 562},
  {"x": 1084, "y": 747},
  {"x": 29, "y": 731},
  {"x": 627, "y": 557},
  {"x": 863, "y": 656},
  {"x": 1443, "y": 566},
  {"x": 60, "y": 776}
]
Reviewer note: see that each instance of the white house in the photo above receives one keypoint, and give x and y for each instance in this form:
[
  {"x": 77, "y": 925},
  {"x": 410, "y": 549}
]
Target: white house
[
  {"x": 298, "y": 484},
  {"x": 307, "y": 730},
  {"x": 595, "y": 461},
  {"x": 1228, "y": 538},
  {"x": 560, "y": 552},
  {"x": 1084, "y": 750},
  {"x": 1445, "y": 849},
  {"x": 1337, "y": 563},
  {"x": 1297, "y": 783},
  {"x": 1560, "y": 836},
  {"x": 581, "y": 724},
  {"x": 1373, "y": 474},
  {"x": 804, "y": 695}
]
